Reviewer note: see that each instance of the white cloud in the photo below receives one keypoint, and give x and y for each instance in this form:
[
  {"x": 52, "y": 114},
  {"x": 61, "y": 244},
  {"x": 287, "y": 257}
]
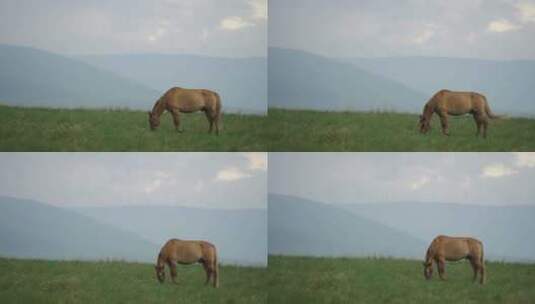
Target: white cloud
[
  {"x": 260, "y": 9},
  {"x": 419, "y": 183},
  {"x": 153, "y": 186},
  {"x": 498, "y": 170},
  {"x": 231, "y": 174},
  {"x": 160, "y": 32},
  {"x": 525, "y": 160},
  {"x": 502, "y": 25},
  {"x": 423, "y": 36},
  {"x": 257, "y": 161},
  {"x": 526, "y": 11},
  {"x": 234, "y": 23}
]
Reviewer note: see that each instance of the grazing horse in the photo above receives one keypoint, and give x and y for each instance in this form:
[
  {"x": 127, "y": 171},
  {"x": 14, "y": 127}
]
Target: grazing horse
[
  {"x": 188, "y": 252},
  {"x": 446, "y": 102},
  {"x": 177, "y": 100},
  {"x": 445, "y": 248}
]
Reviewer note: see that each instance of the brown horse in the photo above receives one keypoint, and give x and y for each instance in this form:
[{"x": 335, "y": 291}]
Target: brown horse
[
  {"x": 188, "y": 252},
  {"x": 445, "y": 248},
  {"x": 177, "y": 100},
  {"x": 445, "y": 103}
]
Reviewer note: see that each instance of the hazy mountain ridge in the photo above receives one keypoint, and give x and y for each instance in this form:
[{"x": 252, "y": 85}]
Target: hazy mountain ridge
[
  {"x": 505, "y": 231},
  {"x": 239, "y": 234},
  {"x": 241, "y": 82},
  {"x": 507, "y": 84},
  {"x": 30, "y": 229},
  {"x": 299, "y": 226},
  {"x": 301, "y": 80},
  {"x": 32, "y": 77}
]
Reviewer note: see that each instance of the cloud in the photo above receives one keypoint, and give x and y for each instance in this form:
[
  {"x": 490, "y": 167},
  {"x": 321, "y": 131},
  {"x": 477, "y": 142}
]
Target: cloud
[
  {"x": 153, "y": 186},
  {"x": 423, "y": 36},
  {"x": 260, "y": 9},
  {"x": 497, "y": 170},
  {"x": 257, "y": 161},
  {"x": 234, "y": 23},
  {"x": 419, "y": 183},
  {"x": 160, "y": 32},
  {"x": 525, "y": 160},
  {"x": 502, "y": 25},
  {"x": 526, "y": 11},
  {"x": 231, "y": 174}
]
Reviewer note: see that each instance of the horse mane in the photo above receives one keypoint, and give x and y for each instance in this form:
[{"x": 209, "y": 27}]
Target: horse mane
[{"x": 158, "y": 107}]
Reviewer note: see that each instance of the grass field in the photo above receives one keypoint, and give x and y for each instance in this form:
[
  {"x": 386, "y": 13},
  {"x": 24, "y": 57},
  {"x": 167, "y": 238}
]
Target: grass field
[
  {"x": 293, "y": 130},
  {"x": 361, "y": 280},
  {"x": 29, "y": 281},
  {"x": 39, "y": 129}
]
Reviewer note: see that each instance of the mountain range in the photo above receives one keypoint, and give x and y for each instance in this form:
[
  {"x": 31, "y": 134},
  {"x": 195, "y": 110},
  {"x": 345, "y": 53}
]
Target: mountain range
[
  {"x": 31, "y": 229},
  {"x": 302, "y": 80},
  {"x": 303, "y": 227},
  {"x": 299, "y": 226},
  {"x": 33, "y": 77},
  {"x": 239, "y": 234}
]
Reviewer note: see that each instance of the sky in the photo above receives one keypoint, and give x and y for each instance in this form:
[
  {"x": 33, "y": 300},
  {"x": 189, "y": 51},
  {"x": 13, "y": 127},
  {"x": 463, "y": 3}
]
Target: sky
[
  {"x": 203, "y": 180},
  {"x": 488, "y": 29},
  {"x": 230, "y": 28},
  {"x": 463, "y": 178}
]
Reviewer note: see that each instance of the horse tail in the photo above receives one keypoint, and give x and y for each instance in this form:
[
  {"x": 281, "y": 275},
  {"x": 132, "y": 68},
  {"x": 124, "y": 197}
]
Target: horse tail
[
  {"x": 487, "y": 109},
  {"x": 216, "y": 268}
]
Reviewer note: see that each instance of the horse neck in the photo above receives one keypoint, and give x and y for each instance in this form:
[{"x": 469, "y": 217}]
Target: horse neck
[
  {"x": 161, "y": 260},
  {"x": 158, "y": 108},
  {"x": 429, "y": 256},
  {"x": 428, "y": 111}
]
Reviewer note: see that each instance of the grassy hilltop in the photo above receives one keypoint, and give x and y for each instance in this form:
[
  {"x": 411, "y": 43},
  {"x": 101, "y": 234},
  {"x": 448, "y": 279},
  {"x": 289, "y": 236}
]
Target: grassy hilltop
[
  {"x": 368, "y": 280},
  {"x": 42, "y": 129},
  {"x": 33, "y": 281},
  {"x": 304, "y": 130}
]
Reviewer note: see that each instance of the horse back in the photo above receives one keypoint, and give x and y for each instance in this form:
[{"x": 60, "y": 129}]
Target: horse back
[{"x": 190, "y": 100}]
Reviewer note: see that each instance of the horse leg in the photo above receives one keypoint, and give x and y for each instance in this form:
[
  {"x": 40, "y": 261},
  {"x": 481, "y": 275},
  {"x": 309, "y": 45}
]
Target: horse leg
[
  {"x": 485, "y": 124},
  {"x": 444, "y": 123},
  {"x": 481, "y": 268},
  {"x": 474, "y": 268},
  {"x": 176, "y": 120},
  {"x": 207, "y": 270},
  {"x": 442, "y": 269},
  {"x": 477, "y": 119},
  {"x": 172, "y": 268},
  {"x": 216, "y": 117},
  {"x": 210, "y": 120}
]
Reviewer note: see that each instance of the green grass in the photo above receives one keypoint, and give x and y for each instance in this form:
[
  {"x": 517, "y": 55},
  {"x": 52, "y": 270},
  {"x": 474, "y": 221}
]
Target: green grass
[
  {"x": 368, "y": 280},
  {"x": 41, "y": 129},
  {"x": 297, "y": 130},
  {"x": 32, "y": 281}
]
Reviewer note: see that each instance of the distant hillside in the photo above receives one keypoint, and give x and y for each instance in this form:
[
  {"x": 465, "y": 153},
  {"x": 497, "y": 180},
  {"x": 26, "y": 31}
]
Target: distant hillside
[
  {"x": 300, "y": 80},
  {"x": 30, "y": 229},
  {"x": 32, "y": 77},
  {"x": 507, "y": 232},
  {"x": 508, "y": 85},
  {"x": 240, "y": 235},
  {"x": 241, "y": 82},
  {"x": 302, "y": 227}
]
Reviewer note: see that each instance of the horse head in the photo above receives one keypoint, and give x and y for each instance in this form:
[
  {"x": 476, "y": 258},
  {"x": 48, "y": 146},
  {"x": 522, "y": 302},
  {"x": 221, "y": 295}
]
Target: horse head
[
  {"x": 424, "y": 124},
  {"x": 160, "y": 273},
  {"x": 154, "y": 121},
  {"x": 428, "y": 270}
]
